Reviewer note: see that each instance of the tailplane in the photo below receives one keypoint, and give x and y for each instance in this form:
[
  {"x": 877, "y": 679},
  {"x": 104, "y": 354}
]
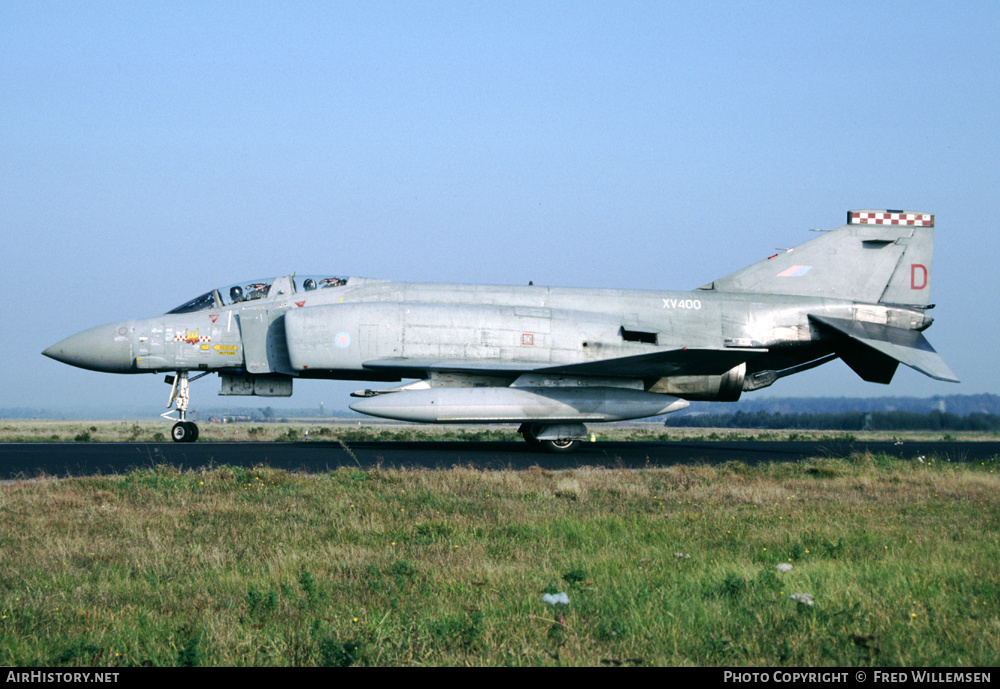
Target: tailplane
[
  {"x": 878, "y": 256},
  {"x": 877, "y": 349}
]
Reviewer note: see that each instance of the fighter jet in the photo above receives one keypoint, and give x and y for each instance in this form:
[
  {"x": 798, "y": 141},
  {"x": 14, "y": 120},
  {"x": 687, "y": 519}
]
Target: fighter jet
[{"x": 550, "y": 359}]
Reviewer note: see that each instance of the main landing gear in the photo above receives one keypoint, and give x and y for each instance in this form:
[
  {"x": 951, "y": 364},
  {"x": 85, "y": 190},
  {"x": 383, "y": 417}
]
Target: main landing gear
[
  {"x": 184, "y": 431},
  {"x": 558, "y": 438}
]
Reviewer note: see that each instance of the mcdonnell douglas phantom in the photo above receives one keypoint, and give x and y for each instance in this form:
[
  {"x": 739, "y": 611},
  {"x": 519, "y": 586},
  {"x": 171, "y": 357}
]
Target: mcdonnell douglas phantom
[{"x": 548, "y": 358}]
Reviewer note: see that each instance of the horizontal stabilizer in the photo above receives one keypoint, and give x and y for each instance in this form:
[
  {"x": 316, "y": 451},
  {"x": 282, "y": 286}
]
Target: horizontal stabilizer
[
  {"x": 908, "y": 347},
  {"x": 674, "y": 362}
]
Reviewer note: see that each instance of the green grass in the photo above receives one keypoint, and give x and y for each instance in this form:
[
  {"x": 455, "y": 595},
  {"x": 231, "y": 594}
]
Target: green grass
[{"x": 677, "y": 566}]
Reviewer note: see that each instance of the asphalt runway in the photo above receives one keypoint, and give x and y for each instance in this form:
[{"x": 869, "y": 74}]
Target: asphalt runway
[{"x": 30, "y": 460}]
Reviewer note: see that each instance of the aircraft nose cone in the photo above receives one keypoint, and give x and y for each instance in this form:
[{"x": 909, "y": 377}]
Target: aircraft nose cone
[{"x": 104, "y": 348}]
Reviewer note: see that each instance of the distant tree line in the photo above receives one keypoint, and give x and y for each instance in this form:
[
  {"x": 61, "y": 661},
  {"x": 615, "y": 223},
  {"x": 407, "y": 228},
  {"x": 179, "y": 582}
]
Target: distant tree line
[
  {"x": 963, "y": 405},
  {"x": 842, "y": 421}
]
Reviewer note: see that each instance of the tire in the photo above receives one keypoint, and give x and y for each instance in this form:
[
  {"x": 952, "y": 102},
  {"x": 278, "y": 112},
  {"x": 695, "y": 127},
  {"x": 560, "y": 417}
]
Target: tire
[
  {"x": 526, "y": 432},
  {"x": 180, "y": 432},
  {"x": 533, "y": 442},
  {"x": 560, "y": 446},
  {"x": 184, "y": 432},
  {"x": 530, "y": 432}
]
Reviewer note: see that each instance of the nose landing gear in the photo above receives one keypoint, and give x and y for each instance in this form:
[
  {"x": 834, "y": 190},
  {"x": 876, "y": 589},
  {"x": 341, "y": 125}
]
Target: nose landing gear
[{"x": 184, "y": 431}]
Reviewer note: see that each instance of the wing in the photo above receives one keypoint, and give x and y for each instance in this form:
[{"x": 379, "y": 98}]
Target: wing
[{"x": 672, "y": 362}]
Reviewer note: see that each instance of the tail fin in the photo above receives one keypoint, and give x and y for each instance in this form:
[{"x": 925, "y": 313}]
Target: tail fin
[{"x": 878, "y": 256}]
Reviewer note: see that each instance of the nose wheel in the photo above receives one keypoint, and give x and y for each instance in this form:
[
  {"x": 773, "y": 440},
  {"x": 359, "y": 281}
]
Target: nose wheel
[{"x": 184, "y": 432}]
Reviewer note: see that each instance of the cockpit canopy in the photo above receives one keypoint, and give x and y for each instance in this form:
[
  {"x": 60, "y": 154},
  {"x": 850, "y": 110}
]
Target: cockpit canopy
[{"x": 257, "y": 289}]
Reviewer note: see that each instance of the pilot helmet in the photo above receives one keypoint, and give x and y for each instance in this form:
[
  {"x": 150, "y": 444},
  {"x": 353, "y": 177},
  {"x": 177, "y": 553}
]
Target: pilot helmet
[
  {"x": 309, "y": 284},
  {"x": 236, "y": 294}
]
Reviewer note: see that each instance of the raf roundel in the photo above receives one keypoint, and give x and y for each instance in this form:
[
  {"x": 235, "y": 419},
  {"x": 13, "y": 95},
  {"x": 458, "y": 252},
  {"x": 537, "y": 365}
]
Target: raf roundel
[{"x": 342, "y": 340}]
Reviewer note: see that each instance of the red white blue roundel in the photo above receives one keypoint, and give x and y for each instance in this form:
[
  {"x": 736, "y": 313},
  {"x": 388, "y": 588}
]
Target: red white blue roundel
[{"x": 342, "y": 340}]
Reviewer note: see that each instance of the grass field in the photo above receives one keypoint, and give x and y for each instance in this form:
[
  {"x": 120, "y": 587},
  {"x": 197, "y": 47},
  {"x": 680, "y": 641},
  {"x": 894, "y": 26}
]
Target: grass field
[
  {"x": 674, "y": 566},
  {"x": 349, "y": 431}
]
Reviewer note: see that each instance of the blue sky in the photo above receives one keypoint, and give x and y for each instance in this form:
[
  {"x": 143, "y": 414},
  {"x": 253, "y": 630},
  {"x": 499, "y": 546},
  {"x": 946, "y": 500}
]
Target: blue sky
[{"x": 151, "y": 151}]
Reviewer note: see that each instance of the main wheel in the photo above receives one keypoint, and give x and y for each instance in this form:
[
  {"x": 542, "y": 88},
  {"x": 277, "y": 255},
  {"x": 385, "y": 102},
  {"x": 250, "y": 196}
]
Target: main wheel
[
  {"x": 530, "y": 433},
  {"x": 560, "y": 446},
  {"x": 527, "y": 432}
]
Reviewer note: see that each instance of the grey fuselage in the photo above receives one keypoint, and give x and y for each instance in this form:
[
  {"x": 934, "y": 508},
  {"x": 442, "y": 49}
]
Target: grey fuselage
[{"x": 339, "y": 332}]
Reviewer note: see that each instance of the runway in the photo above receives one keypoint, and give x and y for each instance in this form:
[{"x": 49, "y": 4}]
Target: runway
[{"x": 30, "y": 460}]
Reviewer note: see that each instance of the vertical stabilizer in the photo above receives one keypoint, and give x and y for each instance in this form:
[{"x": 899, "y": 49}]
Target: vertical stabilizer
[{"x": 878, "y": 256}]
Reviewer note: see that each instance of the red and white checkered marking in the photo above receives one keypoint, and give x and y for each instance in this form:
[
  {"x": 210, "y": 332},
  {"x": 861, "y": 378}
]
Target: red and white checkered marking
[
  {"x": 201, "y": 338},
  {"x": 887, "y": 218}
]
